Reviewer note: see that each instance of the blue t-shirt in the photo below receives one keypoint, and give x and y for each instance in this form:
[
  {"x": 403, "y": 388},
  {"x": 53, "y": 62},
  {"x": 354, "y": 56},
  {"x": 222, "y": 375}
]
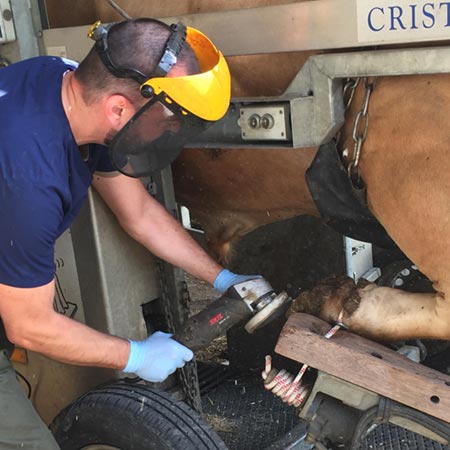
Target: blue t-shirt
[{"x": 43, "y": 177}]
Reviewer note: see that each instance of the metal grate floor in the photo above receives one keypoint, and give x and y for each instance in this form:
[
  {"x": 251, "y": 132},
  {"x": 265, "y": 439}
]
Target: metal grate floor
[
  {"x": 390, "y": 437},
  {"x": 247, "y": 417}
]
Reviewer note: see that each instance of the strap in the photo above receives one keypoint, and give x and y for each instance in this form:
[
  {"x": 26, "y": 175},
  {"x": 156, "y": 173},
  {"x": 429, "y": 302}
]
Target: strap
[
  {"x": 173, "y": 49},
  {"x": 342, "y": 205}
]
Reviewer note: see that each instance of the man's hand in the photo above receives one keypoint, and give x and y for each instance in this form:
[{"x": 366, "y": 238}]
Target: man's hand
[
  {"x": 158, "y": 356},
  {"x": 225, "y": 279}
]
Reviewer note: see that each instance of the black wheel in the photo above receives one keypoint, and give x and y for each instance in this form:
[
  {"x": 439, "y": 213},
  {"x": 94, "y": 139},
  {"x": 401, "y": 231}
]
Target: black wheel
[
  {"x": 404, "y": 275},
  {"x": 132, "y": 417}
]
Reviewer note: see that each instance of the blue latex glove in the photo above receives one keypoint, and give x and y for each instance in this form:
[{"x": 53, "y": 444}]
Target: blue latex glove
[
  {"x": 225, "y": 279},
  {"x": 155, "y": 358}
]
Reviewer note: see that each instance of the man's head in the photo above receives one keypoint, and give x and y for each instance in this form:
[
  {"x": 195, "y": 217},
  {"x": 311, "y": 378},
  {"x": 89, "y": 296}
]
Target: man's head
[
  {"x": 138, "y": 44},
  {"x": 170, "y": 81}
]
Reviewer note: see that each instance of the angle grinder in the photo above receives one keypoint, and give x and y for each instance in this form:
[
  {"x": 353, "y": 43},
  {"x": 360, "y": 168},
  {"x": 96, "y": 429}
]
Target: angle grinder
[{"x": 253, "y": 300}]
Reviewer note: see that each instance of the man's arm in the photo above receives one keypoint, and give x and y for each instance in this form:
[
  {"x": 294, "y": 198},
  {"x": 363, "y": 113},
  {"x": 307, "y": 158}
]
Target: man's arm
[
  {"x": 31, "y": 322},
  {"x": 149, "y": 223}
]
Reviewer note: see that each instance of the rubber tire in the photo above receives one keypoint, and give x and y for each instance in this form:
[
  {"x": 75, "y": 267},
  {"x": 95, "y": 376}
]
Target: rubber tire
[{"x": 132, "y": 417}]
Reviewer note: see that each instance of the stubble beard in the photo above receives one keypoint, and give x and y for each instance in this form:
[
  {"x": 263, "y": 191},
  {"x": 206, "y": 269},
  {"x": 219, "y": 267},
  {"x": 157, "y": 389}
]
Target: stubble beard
[{"x": 110, "y": 135}]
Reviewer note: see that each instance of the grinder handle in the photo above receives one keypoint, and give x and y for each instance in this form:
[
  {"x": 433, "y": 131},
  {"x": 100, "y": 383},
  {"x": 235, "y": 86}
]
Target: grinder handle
[{"x": 213, "y": 321}]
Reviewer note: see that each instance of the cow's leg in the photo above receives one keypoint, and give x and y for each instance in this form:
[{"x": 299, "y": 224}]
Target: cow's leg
[
  {"x": 381, "y": 313},
  {"x": 223, "y": 229},
  {"x": 231, "y": 192},
  {"x": 391, "y": 314}
]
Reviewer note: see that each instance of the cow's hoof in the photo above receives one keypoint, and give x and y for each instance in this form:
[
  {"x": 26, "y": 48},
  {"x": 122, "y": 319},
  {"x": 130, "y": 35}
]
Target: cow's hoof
[{"x": 331, "y": 296}]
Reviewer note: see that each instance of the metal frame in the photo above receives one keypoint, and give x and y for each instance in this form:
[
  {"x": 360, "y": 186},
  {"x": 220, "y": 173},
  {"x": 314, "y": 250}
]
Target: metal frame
[
  {"x": 23, "y": 30},
  {"x": 313, "y": 100},
  {"x": 27, "y": 25},
  {"x": 173, "y": 291},
  {"x": 311, "y": 25},
  {"x": 7, "y": 32},
  {"x": 117, "y": 275},
  {"x": 359, "y": 260},
  {"x": 322, "y": 75},
  {"x": 361, "y": 400}
]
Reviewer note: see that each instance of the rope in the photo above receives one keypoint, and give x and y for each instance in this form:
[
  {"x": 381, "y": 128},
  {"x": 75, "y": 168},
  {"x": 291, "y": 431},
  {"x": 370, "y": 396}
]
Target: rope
[{"x": 285, "y": 385}]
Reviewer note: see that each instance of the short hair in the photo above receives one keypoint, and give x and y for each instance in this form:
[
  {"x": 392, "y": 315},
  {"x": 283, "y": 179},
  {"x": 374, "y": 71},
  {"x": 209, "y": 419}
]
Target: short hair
[{"x": 138, "y": 44}]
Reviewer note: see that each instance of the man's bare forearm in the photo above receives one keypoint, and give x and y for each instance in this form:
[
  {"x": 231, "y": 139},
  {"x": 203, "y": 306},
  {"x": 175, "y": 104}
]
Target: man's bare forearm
[
  {"x": 149, "y": 223},
  {"x": 166, "y": 238},
  {"x": 68, "y": 341}
]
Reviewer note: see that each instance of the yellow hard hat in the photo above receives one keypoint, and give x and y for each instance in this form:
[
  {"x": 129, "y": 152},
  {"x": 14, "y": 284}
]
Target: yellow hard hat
[{"x": 206, "y": 94}]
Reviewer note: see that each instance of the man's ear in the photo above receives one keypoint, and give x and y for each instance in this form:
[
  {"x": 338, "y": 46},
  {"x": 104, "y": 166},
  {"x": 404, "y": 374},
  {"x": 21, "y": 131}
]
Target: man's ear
[{"x": 118, "y": 110}]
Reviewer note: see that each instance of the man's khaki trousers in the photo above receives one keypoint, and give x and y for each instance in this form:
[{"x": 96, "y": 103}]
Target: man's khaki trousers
[{"x": 21, "y": 428}]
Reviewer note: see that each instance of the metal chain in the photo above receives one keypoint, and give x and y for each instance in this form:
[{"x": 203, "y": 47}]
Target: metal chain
[
  {"x": 188, "y": 375},
  {"x": 360, "y": 127},
  {"x": 348, "y": 94},
  {"x": 349, "y": 91},
  {"x": 175, "y": 295}
]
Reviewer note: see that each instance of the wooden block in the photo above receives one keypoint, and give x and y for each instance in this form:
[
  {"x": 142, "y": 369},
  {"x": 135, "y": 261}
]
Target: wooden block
[{"x": 365, "y": 363}]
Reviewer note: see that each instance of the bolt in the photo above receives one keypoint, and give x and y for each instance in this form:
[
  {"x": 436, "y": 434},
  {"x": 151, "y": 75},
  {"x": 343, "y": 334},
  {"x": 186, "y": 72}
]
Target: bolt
[
  {"x": 146, "y": 91},
  {"x": 7, "y": 14},
  {"x": 152, "y": 188},
  {"x": 267, "y": 121},
  {"x": 254, "y": 121}
]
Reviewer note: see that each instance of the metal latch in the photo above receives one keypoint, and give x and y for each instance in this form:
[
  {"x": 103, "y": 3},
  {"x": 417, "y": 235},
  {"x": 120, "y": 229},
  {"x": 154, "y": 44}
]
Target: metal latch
[{"x": 264, "y": 123}]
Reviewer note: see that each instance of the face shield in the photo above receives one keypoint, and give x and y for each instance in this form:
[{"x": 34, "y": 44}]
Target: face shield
[{"x": 179, "y": 108}]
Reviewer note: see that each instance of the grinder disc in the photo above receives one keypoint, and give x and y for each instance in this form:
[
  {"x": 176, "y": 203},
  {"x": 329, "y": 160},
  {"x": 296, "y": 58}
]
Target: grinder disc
[{"x": 262, "y": 317}]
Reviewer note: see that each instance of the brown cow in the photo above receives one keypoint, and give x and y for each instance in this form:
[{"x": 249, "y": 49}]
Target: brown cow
[{"x": 404, "y": 163}]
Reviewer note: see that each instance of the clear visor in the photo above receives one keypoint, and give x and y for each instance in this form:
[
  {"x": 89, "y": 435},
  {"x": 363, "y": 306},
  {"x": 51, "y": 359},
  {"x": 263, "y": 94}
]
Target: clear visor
[{"x": 153, "y": 138}]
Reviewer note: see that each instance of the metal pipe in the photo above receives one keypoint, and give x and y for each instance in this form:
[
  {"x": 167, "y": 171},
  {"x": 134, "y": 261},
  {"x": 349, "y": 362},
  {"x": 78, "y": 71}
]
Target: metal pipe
[{"x": 117, "y": 8}]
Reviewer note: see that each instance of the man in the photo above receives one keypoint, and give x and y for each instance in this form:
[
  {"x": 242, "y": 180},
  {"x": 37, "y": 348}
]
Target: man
[{"x": 134, "y": 93}]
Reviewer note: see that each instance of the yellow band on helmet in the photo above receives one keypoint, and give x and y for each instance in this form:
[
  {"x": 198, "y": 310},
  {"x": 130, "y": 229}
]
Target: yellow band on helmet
[{"x": 206, "y": 94}]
